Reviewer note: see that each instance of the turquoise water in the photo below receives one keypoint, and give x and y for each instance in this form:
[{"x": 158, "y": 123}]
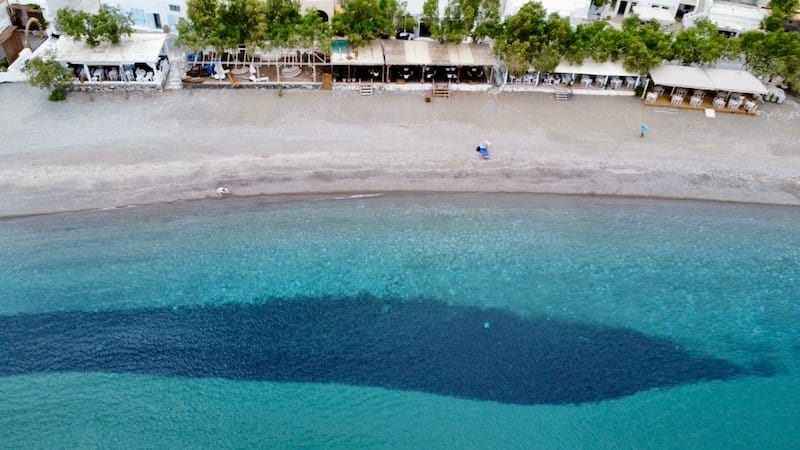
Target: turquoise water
[{"x": 716, "y": 279}]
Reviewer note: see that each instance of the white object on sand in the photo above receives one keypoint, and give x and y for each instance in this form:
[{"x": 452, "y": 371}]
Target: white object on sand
[{"x": 222, "y": 190}]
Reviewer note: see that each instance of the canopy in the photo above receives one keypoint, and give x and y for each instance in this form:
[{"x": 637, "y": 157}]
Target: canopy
[
  {"x": 735, "y": 81},
  {"x": 472, "y": 55},
  {"x": 138, "y": 47},
  {"x": 426, "y": 53},
  {"x": 401, "y": 52},
  {"x": 682, "y": 76},
  {"x": 369, "y": 55},
  {"x": 590, "y": 67}
]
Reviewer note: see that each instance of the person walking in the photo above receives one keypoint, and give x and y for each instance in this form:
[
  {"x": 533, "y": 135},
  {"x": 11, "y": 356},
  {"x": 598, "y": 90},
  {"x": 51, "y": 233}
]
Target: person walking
[{"x": 645, "y": 129}]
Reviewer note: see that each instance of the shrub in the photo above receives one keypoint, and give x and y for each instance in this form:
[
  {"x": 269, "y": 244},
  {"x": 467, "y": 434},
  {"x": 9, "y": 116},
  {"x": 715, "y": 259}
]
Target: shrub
[{"x": 51, "y": 75}]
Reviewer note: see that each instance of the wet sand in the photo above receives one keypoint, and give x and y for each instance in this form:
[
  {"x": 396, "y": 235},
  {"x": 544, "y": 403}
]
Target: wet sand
[{"x": 115, "y": 149}]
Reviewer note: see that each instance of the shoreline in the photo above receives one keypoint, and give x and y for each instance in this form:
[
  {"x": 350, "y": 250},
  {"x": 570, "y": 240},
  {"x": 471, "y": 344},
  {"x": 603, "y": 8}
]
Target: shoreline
[{"x": 110, "y": 150}]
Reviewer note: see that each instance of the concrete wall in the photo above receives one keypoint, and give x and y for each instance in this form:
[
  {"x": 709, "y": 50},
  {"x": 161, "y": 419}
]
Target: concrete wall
[{"x": 4, "y": 20}]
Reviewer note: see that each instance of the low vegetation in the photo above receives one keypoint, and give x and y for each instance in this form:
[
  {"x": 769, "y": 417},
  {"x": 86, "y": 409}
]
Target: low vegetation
[{"x": 47, "y": 73}]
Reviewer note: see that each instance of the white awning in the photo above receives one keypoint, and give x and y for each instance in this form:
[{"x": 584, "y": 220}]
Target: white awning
[
  {"x": 590, "y": 67},
  {"x": 136, "y": 48},
  {"x": 682, "y": 76},
  {"x": 735, "y": 81}
]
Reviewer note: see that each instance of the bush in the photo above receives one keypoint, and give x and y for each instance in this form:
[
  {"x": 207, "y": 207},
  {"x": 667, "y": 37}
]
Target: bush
[
  {"x": 639, "y": 89},
  {"x": 51, "y": 75}
]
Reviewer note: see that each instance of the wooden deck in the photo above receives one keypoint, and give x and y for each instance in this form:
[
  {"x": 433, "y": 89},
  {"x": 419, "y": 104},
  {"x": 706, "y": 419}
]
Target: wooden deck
[{"x": 664, "y": 101}]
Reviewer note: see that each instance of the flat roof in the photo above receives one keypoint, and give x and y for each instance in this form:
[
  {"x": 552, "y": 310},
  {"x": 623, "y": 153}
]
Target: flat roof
[
  {"x": 681, "y": 76},
  {"x": 709, "y": 79},
  {"x": 591, "y": 67},
  {"x": 736, "y": 81},
  {"x": 138, "y": 47},
  {"x": 426, "y": 53}
]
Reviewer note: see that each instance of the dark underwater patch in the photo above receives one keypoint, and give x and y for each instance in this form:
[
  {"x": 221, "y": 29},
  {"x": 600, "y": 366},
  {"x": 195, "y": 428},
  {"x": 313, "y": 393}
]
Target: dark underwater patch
[{"x": 419, "y": 345}]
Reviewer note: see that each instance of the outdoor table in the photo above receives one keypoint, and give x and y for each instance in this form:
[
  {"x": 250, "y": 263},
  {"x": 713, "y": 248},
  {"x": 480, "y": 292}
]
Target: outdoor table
[
  {"x": 719, "y": 103},
  {"x": 695, "y": 101},
  {"x": 586, "y": 82},
  {"x": 651, "y": 97},
  {"x": 615, "y": 83},
  {"x": 630, "y": 82},
  {"x": 677, "y": 100},
  {"x": 750, "y": 106}
]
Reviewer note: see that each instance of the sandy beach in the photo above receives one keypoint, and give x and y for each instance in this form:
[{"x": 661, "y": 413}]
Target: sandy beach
[{"x": 115, "y": 149}]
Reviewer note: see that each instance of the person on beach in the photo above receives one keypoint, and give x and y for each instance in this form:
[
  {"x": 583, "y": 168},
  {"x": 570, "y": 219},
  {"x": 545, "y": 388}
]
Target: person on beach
[
  {"x": 645, "y": 129},
  {"x": 484, "y": 148}
]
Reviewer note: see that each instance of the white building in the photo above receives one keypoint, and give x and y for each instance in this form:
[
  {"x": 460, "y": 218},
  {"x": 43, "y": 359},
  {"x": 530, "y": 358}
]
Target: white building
[
  {"x": 730, "y": 17},
  {"x": 152, "y": 15}
]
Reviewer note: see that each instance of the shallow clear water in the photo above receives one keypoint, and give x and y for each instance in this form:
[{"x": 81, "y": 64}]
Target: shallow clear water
[{"x": 716, "y": 280}]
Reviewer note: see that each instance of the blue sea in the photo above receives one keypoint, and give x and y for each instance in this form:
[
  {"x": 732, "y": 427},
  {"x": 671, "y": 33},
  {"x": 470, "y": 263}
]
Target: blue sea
[{"x": 402, "y": 321}]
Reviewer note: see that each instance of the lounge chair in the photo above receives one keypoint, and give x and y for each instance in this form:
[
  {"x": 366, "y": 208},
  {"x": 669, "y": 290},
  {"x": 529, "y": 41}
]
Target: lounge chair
[
  {"x": 219, "y": 72},
  {"x": 254, "y": 75}
]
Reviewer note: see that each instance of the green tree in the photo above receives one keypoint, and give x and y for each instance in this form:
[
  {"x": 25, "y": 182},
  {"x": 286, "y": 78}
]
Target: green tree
[
  {"x": 782, "y": 12},
  {"x": 481, "y": 18},
  {"x": 430, "y": 16},
  {"x": 701, "y": 44},
  {"x": 239, "y": 22},
  {"x": 51, "y": 75},
  {"x": 545, "y": 40},
  {"x": 364, "y": 20},
  {"x": 229, "y": 24},
  {"x": 107, "y": 25},
  {"x": 522, "y": 37},
  {"x": 773, "y": 54},
  {"x": 452, "y": 27},
  {"x": 403, "y": 20},
  {"x": 201, "y": 28},
  {"x": 645, "y": 46}
]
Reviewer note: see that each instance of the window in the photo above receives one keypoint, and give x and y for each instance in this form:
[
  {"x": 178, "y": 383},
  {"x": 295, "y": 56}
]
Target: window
[
  {"x": 175, "y": 8},
  {"x": 139, "y": 17}
]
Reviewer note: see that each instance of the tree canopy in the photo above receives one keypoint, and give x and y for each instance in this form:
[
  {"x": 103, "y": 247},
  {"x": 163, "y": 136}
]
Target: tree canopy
[
  {"x": 229, "y": 24},
  {"x": 47, "y": 73},
  {"x": 107, "y": 25},
  {"x": 364, "y": 20},
  {"x": 477, "y": 19},
  {"x": 782, "y": 12}
]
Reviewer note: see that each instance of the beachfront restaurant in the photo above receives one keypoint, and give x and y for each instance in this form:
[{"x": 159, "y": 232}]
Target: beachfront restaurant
[
  {"x": 586, "y": 78},
  {"x": 140, "y": 59},
  {"x": 365, "y": 64},
  {"x": 734, "y": 91},
  {"x": 428, "y": 62}
]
